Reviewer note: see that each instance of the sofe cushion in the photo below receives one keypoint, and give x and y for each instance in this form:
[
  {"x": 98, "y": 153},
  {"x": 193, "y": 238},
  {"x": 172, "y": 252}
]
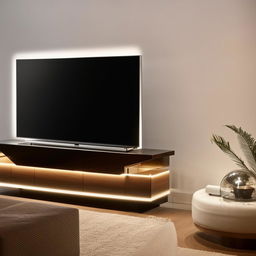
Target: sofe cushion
[{"x": 28, "y": 228}]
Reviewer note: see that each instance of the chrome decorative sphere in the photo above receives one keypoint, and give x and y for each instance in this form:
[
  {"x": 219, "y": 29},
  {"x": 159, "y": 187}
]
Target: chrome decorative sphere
[{"x": 239, "y": 185}]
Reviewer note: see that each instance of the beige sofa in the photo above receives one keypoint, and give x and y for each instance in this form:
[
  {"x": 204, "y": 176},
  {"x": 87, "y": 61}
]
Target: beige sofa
[{"x": 29, "y": 229}]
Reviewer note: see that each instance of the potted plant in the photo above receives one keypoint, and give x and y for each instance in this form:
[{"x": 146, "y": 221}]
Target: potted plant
[{"x": 240, "y": 184}]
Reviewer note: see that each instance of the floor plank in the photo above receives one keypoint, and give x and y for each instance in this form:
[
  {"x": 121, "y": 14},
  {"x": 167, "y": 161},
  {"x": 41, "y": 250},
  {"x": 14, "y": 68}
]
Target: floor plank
[{"x": 190, "y": 237}]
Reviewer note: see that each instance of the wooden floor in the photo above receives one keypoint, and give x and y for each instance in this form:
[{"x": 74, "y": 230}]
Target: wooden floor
[
  {"x": 188, "y": 234},
  {"x": 190, "y": 237}
]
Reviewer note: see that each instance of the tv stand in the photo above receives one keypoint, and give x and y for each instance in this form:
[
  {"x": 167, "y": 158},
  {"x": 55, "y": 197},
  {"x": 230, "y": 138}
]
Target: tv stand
[{"x": 140, "y": 176}]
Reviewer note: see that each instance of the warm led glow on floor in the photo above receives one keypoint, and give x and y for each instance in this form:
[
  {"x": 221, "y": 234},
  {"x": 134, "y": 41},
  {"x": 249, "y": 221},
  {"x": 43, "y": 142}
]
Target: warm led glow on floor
[{"x": 89, "y": 194}]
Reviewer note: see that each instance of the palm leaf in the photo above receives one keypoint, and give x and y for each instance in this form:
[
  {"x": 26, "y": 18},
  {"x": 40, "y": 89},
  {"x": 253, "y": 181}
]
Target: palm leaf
[
  {"x": 225, "y": 147},
  {"x": 248, "y": 145}
]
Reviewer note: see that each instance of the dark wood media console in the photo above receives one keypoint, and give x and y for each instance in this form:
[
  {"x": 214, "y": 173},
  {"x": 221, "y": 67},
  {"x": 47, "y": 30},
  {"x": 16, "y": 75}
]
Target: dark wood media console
[{"x": 140, "y": 176}]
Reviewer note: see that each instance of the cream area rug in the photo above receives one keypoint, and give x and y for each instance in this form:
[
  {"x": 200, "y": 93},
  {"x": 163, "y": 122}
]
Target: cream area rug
[{"x": 106, "y": 234}]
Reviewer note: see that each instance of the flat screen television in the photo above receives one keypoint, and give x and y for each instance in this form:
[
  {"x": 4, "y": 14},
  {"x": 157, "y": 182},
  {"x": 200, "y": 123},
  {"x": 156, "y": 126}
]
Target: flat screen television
[{"x": 87, "y": 100}]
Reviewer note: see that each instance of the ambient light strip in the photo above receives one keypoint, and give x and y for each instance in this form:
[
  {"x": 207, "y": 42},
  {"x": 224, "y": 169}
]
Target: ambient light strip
[
  {"x": 144, "y": 175},
  {"x": 90, "y": 173},
  {"x": 89, "y": 194}
]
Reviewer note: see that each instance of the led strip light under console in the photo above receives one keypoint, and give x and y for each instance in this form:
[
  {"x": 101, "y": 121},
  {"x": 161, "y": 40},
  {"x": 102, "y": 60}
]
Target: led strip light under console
[
  {"x": 93, "y": 173},
  {"x": 89, "y": 194}
]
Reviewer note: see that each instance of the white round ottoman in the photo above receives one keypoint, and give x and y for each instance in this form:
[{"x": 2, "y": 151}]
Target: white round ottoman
[{"x": 216, "y": 215}]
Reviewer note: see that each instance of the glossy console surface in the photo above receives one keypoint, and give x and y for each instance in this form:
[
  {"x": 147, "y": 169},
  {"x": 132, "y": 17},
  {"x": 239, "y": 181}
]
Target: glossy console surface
[{"x": 79, "y": 159}]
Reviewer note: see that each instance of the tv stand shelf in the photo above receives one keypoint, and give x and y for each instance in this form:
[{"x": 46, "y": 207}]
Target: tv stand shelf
[
  {"x": 140, "y": 175},
  {"x": 77, "y": 159}
]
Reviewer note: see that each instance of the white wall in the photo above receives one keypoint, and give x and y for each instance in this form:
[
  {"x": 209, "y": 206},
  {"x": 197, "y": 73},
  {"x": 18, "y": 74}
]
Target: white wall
[{"x": 199, "y": 61}]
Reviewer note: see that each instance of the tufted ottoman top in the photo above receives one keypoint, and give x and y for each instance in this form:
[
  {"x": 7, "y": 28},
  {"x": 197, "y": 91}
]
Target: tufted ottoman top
[{"x": 217, "y": 213}]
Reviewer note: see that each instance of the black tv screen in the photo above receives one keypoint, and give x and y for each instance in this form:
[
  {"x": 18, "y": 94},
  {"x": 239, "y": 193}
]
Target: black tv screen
[{"x": 90, "y": 100}]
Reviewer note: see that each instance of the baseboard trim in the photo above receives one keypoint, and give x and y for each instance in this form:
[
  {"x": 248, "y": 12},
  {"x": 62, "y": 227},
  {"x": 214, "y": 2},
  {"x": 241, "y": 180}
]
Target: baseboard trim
[
  {"x": 177, "y": 206},
  {"x": 179, "y": 200}
]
